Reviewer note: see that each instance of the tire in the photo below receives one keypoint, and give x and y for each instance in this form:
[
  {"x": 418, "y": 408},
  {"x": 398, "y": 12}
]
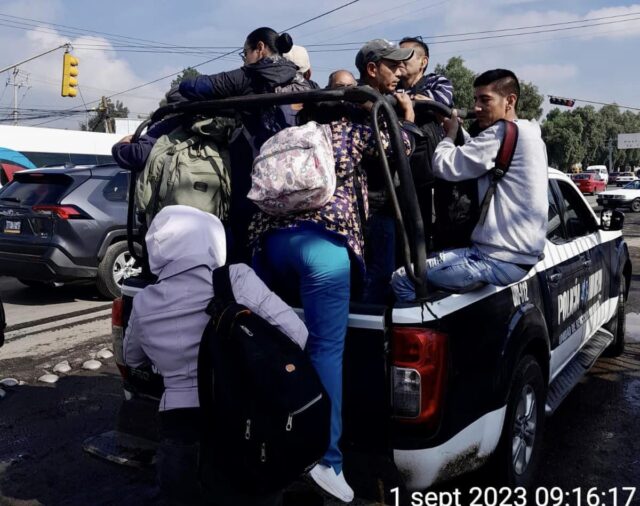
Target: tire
[
  {"x": 115, "y": 267},
  {"x": 618, "y": 323},
  {"x": 518, "y": 453},
  {"x": 635, "y": 206}
]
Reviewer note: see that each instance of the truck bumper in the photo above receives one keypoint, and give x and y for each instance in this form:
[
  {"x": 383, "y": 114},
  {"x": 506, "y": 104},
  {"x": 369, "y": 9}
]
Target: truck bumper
[{"x": 467, "y": 450}]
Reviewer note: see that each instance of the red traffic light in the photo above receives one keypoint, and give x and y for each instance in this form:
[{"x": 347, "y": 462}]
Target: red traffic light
[{"x": 567, "y": 102}]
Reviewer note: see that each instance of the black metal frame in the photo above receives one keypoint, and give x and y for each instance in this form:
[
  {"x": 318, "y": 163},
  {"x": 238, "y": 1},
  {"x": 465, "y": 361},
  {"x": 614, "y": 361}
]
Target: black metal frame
[{"x": 408, "y": 217}]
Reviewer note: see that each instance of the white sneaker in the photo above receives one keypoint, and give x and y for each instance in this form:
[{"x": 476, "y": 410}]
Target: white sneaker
[{"x": 333, "y": 483}]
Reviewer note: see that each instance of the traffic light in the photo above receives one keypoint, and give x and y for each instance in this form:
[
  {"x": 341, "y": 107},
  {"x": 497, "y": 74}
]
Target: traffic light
[
  {"x": 567, "y": 102},
  {"x": 69, "y": 74}
]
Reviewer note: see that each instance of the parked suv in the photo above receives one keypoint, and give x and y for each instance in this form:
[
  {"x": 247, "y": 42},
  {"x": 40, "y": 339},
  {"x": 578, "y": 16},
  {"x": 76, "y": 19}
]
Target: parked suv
[{"x": 66, "y": 224}]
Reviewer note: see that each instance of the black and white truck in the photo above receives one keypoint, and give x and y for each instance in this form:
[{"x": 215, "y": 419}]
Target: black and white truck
[{"x": 450, "y": 382}]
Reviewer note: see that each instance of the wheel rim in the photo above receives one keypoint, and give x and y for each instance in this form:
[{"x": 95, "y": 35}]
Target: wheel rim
[
  {"x": 123, "y": 267},
  {"x": 635, "y": 206},
  {"x": 524, "y": 429},
  {"x": 622, "y": 315}
]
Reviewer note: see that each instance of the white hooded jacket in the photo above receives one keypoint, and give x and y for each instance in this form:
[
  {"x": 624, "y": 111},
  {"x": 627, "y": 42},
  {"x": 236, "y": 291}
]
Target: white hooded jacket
[{"x": 168, "y": 317}]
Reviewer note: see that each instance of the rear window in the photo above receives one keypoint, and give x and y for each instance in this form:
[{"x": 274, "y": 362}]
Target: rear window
[
  {"x": 582, "y": 176},
  {"x": 34, "y": 189}
]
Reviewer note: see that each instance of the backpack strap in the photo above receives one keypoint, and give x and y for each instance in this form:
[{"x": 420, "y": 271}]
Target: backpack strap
[
  {"x": 503, "y": 162},
  {"x": 222, "y": 292}
]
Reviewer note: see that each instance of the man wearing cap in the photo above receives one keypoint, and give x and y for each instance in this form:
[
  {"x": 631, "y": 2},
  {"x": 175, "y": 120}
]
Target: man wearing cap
[
  {"x": 300, "y": 57},
  {"x": 381, "y": 65}
]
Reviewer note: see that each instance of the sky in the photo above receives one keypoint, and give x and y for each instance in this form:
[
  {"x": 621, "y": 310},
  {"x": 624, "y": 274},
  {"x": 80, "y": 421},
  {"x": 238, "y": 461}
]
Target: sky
[{"x": 583, "y": 49}]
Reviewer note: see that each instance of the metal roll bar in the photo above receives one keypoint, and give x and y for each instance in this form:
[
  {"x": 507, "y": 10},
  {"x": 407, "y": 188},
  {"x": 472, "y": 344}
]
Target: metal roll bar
[{"x": 411, "y": 229}]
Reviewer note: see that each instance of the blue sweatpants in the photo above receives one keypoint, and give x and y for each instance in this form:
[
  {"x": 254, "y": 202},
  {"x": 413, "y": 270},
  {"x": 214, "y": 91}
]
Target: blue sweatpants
[{"x": 316, "y": 264}]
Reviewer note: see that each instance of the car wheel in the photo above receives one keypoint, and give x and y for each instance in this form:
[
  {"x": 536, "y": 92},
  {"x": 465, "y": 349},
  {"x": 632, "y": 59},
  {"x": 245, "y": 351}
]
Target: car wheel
[
  {"x": 618, "y": 323},
  {"x": 518, "y": 453},
  {"x": 115, "y": 267},
  {"x": 635, "y": 206}
]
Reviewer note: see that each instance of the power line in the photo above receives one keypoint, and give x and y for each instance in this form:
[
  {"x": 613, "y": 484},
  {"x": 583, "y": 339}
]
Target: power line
[
  {"x": 337, "y": 50},
  {"x": 80, "y": 30},
  {"x": 218, "y": 57}
]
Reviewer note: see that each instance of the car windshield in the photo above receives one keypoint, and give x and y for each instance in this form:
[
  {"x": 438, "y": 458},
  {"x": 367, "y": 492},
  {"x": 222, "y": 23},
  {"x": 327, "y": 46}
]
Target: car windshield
[
  {"x": 582, "y": 176},
  {"x": 36, "y": 188},
  {"x": 634, "y": 185}
]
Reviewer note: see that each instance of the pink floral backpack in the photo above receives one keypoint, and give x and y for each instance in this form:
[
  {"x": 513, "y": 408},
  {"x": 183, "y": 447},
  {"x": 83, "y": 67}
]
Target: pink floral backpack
[{"x": 295, "y": 170}]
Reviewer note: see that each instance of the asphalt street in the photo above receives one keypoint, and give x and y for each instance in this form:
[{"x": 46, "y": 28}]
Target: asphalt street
[{"x": 593, "y": 440}]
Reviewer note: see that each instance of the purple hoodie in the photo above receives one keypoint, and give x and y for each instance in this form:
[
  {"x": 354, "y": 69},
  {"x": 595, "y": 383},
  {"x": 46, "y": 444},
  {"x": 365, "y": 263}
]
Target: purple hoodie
[{"x": 168, "y": 317}]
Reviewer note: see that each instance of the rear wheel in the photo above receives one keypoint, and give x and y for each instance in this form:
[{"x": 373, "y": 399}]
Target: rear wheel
[
  {"x": 115, "y": 267},
  {"x": 518, "y": 453},
  {"x": 618, "y": 323},
  {"x": 635, "y": 206}
]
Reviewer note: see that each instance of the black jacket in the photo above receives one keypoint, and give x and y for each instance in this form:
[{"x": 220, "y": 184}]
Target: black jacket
[{"x": 261, "y": 77}]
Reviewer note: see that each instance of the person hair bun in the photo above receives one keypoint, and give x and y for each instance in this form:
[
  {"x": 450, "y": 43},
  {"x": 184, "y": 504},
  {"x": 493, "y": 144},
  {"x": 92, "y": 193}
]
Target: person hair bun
[{"x": 284, "y": 43}]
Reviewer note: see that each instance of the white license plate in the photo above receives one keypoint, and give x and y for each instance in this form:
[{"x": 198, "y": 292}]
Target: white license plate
[{"x": 12, "y": 227}]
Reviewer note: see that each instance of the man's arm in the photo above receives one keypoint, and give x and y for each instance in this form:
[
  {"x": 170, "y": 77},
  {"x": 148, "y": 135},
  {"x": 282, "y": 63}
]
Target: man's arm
[
  {"x": 249, "y": 290},
  {"x": 222, "y": 85},
  {"x": 471, "y": 160},
  {"x": 438, "y": 88},
  {"x": 132, "y": 351}
]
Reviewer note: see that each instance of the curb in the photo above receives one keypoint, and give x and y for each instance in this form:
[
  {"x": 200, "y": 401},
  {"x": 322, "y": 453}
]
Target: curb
[{"x": 56, "y": 323}]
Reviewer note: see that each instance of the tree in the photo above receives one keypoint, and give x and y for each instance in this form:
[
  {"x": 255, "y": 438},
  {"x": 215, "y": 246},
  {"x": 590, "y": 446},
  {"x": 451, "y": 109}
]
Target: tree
[
  {"x": 529, "y": 104},
  {"x": 188, "y": 73},
  {"x": 562, "y": 133},
  {"x": 462, "y": 79},
  {"x": 103, "y": 119}
]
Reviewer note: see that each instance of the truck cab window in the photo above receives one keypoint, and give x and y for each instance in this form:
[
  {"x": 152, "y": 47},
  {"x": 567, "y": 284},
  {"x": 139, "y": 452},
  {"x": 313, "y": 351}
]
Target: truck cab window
[{"x": 577, "y": 218}]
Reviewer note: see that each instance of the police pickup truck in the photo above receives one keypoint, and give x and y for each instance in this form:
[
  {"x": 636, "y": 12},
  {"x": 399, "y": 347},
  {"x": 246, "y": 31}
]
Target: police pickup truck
[{"x": 447, "y": 383}]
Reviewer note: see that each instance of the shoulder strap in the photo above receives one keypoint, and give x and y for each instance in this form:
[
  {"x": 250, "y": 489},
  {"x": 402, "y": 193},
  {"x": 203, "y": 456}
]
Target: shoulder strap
[
  {"x": 503, "y": 162},
  {"x": 222, "y": 291}
]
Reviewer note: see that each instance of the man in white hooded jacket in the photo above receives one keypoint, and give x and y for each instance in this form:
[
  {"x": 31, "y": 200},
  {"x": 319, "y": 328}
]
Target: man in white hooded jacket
[{"x": 167, "y": 322}]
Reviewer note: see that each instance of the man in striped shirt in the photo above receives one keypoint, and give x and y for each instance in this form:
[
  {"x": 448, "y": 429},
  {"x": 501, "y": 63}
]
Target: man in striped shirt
[{"x": 432, "y": 86}]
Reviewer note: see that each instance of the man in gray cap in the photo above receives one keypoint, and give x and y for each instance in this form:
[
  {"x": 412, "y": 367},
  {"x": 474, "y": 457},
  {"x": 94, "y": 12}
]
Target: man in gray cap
[{"x": 381, "y": 64}]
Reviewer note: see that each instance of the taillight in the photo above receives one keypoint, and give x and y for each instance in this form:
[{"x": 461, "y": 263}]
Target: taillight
[
  {"x": 117, "y": 334},
  {"x": 63, "y": 212},
  {"x": 418, "y": 374}
]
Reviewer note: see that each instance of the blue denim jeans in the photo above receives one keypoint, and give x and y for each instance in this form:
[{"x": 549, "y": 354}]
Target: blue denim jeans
[
  {"x": 457, "y": 270},
  {"x": 317, "y": 265},
  {"x": 380, "y": 258}
]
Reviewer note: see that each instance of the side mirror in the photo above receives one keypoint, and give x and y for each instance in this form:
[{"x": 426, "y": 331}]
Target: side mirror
[{"x": 611, "y": 220}]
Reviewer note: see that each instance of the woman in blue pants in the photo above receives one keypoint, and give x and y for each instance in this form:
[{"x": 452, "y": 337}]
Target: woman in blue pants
[{"x": 308, "y": 257}]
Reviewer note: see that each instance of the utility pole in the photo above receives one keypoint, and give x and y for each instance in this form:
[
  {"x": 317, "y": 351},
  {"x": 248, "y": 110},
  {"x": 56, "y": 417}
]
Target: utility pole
[
  {"x": 610, "y": 146},
  {"x": 15, "y": 73},
  {"x": 105, "y": 117},
  {"x": 17, "y": 84}
]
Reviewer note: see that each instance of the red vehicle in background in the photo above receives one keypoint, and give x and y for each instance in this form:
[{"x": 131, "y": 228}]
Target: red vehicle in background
[{"x": 589, "y": 183}]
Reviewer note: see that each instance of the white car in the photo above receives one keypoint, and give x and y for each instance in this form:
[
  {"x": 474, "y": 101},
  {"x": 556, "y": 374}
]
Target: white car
[
  {"x": 600, "y": 171},
  {"x": 628, "y": 196},
  {"x": 625, "y": 178}
]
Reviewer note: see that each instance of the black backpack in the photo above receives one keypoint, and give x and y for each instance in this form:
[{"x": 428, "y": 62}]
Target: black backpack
[
  {"x": 262, "y": 399},
  {"x": 456, "y": 204}
]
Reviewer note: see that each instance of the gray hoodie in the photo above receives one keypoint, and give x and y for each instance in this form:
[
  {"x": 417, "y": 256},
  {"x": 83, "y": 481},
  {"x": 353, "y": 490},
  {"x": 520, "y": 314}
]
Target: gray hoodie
[
  {"x": 168, "y": 317},
  {"x": 516, "y": 224}
]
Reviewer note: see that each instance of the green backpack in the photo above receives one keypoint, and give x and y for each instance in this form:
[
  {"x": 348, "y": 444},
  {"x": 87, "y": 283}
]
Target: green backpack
[{"x": 188, "y": 166}]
